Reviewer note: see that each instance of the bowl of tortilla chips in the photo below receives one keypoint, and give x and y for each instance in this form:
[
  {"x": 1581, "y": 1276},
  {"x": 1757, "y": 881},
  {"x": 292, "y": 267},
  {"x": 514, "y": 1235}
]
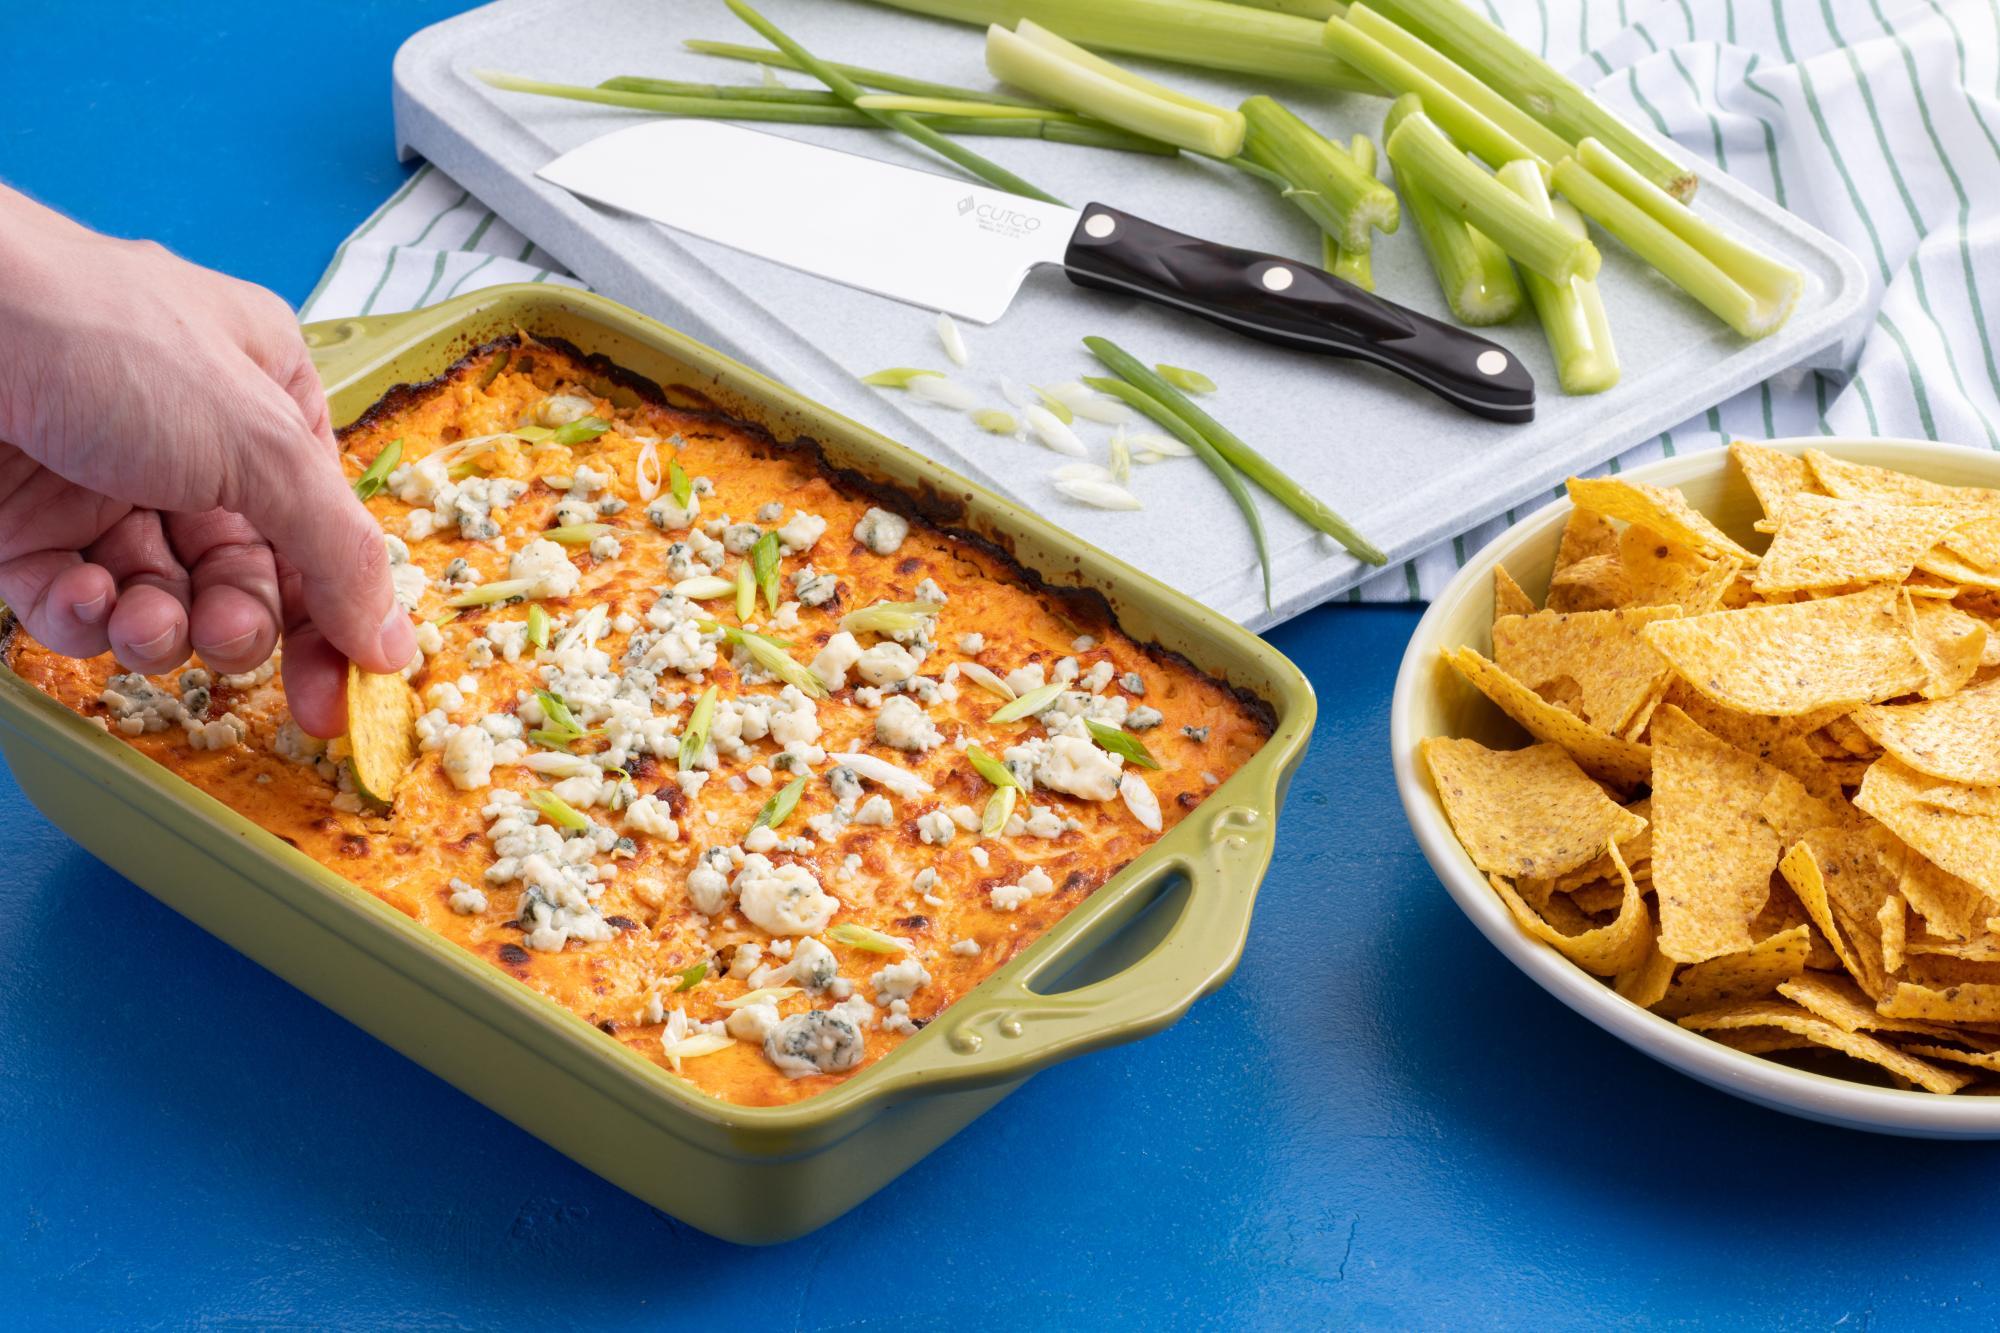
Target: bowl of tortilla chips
[{"x": 1711, "y": 751}]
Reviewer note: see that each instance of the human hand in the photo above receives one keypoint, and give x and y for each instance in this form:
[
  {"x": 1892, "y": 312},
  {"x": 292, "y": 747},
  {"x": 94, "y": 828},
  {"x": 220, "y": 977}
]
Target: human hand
[{"x": 170, "y": 479}]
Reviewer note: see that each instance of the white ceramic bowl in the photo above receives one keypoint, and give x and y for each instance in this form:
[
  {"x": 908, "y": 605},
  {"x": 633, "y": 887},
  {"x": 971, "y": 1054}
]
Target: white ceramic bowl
[{"x": 1433, "y": 700}]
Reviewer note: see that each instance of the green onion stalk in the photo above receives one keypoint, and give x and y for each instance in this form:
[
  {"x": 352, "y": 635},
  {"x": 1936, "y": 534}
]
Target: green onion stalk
[
  {"x": 868, "y": 78},
  {"x": 1327, "y": 184},
  {"x": 834, "y": 112},
  {"x": 1749, "y": 291},
  {"x": 1572, "y": 315},
  {"x": 1037, "y": 61},
  {"x": 1475, "y": 274},
  {"x": 1457, "y": 117},
  {"x": 1209, "y": 34},
  {"x": 1254, "y": 465},
  {"x": 1423, "y": 153},
  {"x": 1535, "y": 86},
  {"x": 848, "y": 91},
  {"x": 1350, "y": 264}
]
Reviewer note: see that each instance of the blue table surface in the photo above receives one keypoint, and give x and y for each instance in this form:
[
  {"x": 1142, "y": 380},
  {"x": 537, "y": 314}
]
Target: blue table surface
[{"x": 1378, "y": 1122}]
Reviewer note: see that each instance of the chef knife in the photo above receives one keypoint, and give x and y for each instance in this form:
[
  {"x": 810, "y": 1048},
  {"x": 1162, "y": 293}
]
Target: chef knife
[{"x": 965, "y": 249}]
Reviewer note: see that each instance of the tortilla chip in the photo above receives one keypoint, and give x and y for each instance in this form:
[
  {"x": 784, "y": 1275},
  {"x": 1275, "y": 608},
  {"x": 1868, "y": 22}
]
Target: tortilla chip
[
  {"x": 1783, "y": 661},
  {"x": 1956, "y": 828},
  {"x": 1849, "y": 922},
  {"x": 1663, "y": 509},
  {"x": 1657, "y": 571},
  {"x": 1978, "y": 542},
  {"x": 1735, "y": 977},
  {"x": 381, "y": 731},
  {"x": 1970, "y": 1003},
  {"x": 1595, "y": 898},
  {"x": 1585, "y": 537},
  {"x": 1523, "y": 812},
  {"x": 1956, "y": 738},
  {"x": 1950, "y": 644},
  {"x": 1941, "y": 563},
  {"x": 1840, "y": 1002},
  {"x": 1622, "y": 763},
  {"x": 1508, "y": 598},
  {"x": 1859, "y": 481},
  {"x": 1988, "y": 1060},
  {"x": 1616, "y": 671},
  {"x": 1605, "y": 951},
  {"x": 1759, "y": 1041},
  {"x": 1595, "y": 584},
  {"x": 1892, "y": 923},
  {"x": 1774, "y": 476},
  {"x": 1791, "y": 1018},
  {"x": 1646, "y": 983},
  {"x": 1713, "y": 849},
  {"x": 1823, "y": 542}
]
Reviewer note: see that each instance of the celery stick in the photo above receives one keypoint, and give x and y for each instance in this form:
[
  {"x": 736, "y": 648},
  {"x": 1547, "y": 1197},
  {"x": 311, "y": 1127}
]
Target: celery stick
[
  {"x": 1326, "y": 184},
  {"x": 867, "y": 78},
  {"x": 1749, "y": 291},
  {"x": 1037, "y": 61},
  {"x": 1209, "y": 34},
  {"x": 1517, "y": 74},
  {"x": 1538, "y": 138},
  {"x": 1355, "y": 266},
  {"x": 1421, "y": 153},
  {"x": 1572, "y": 314},
  {"x": 1467, "y": 126},
  {"x": 845, "y": 88},
  {"x": 1474, "y": 274}
]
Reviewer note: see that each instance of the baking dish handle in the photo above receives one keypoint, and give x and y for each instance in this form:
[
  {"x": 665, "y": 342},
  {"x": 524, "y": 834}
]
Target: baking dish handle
[
  {"x": 1010, "y": 1031},
  {"x": 339, "y": 347}
]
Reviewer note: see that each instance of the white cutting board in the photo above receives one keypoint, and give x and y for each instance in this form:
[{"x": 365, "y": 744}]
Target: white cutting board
[{"x": 1405, "y": 468}]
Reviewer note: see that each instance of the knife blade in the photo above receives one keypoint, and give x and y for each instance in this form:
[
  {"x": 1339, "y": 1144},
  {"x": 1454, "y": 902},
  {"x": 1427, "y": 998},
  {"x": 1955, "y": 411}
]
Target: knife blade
[{"x": 965, "y": 249}]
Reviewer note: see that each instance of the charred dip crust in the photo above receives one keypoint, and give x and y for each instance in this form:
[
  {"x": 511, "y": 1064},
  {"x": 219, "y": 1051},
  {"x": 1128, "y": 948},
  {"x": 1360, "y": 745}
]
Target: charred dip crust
[{"x": 1087, "y": 608}]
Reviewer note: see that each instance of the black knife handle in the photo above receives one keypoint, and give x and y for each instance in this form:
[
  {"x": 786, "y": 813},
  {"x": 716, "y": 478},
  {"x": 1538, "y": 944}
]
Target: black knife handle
[{"x": 1295, "y": 305}]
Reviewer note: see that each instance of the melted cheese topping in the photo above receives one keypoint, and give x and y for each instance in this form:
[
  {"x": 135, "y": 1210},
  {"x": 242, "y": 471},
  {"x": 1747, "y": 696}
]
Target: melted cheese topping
[{"x": 873, "y": 904}]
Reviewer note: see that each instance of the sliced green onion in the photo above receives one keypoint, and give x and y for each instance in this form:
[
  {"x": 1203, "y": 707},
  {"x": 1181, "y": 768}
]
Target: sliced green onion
[
  {"x": 1572, "y": 316},
  {"x": 1324, "y": 183},
  {"x": 889, "y": 617},
  {"x": 532, "y": 434},
  {"x": 581, "y": 431},
  {"x": 846, "y": 89},
  {"x": 502, "y": 590},
  {"x": 764, "y": 561},
  {"x": 897, "y": 377},
  {"x": 376, "y": 475},
  {"x": 704, "y": 588},
  {"x": 779, "y": 808},
  {"x": 1188, "y": 381},
  {"x": 996, "y": 422},
  {"x": 556, "y": 810},
  {"x": 1539, "y": 139},
  {"x": 762, "y": 995},
  {"x": 494, "y": 367},
  {"x": 1749, "y": 291},
  {"x": 690, "y": 975},
  {"x": 995, "y": 772},
  {"x": 1120, "y": 742},
  {"x": 1037, "y": 61},
  {"x": 1355, "y": 266},
  {"x": 1225, "y": 471},
  {"x": 869, "y": 78},
  {"x": 1421, "y": 152},
  {"x": 1475, "y": 275},
  {"x": 694, "y": 737},
  {"x": 769, "y": 653},
  {"x": 678, "y": 485},
  {"x": 577, "y": 534},
  {"x": 1207, "y": 33},
  {"x": 1029, "y": 704},
  {"x": 443, "y": 618},
  {"x": 870, "y": 941},
  {"x": 1457, "y": 117},
  {"x": 557, "y": 712},
  {"x": 985, "y": 679},
  {"x": 1057, "y": 408},
  {"x": 538, "y": 625},
  {"x": 999, "y": 809},
  {"x": 1518, "y": 76},
  {"x": 746, "y": 591}
]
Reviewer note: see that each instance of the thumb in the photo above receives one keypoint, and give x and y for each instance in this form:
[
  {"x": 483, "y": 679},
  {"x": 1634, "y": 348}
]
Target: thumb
[{"x": 292, "y": 489}]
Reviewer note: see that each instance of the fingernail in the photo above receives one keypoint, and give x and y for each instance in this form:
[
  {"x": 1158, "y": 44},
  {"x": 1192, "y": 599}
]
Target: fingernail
[
  {"x": 93, "y": 611},
  {"x": 240, "y": 644},
  {"x": 399, "y": 637},
  {"x": 155, "y": 646}
]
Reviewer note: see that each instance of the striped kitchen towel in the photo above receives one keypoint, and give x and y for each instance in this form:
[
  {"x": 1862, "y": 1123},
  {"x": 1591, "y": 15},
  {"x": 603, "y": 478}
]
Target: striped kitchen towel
[{"x": 1873, "y": 119}]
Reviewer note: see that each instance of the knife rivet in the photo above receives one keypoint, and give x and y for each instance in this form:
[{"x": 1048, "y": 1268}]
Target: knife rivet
[
  {"x": 1277, "y": 277},
  {"x": 1491, "y": 362},
  {"x": 1099, "y": 225}
]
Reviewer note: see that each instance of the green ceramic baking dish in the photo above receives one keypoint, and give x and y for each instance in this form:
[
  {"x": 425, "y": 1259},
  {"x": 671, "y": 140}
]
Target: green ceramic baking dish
[{"x": 1130, "y": 960}]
